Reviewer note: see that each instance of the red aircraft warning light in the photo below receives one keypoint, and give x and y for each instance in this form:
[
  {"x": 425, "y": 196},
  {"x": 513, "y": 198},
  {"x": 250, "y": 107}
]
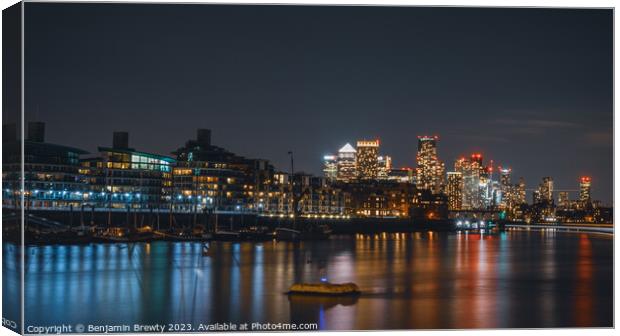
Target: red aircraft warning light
[{"x": 586, "y": 179}]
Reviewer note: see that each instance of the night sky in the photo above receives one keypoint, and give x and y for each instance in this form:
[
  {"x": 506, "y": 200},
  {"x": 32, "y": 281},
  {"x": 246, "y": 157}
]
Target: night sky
[{"x": 528, "y": 88}]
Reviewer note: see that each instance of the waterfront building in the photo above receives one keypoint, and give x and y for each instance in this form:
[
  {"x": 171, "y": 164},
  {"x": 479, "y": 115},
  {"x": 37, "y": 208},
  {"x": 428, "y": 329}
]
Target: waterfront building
[
  {"x": 276, "y": 197},
  {"x": 330, "y": 167},
  {"x": 454, "y": 190},
  {"x": 368, "y": 159},
  {"x": 303, "y": 194},
  {"x": 385, "y": 167},
  {"x": 208, "y": 177},
  {"x": 430, "y": 170},
  {"x": 346, "y": 164},
  {"x": 428, "y": 206},
  {"x": 122, "y": 177},
  {"x": 51, "y": 171},
  {"x": 379, "y": 199},
  {"x": 584, "y": 189},
  {"x": 319, "y": 198}
]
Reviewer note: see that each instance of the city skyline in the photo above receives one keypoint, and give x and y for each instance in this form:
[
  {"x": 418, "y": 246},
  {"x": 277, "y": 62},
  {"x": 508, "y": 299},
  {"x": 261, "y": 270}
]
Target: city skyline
[
  {"x": 537, "y": 100},
  {"x": 35, "y": 132}
]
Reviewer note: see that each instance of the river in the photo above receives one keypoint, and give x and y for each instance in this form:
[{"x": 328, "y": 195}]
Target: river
[{"x": 514, "y": 279}]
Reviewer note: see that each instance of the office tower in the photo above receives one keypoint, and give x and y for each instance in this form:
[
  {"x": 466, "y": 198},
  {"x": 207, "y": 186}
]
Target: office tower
[
  {"x": 454, "y": 189},
  {"x": 584, "y": 189},
  {"x": 330, "y": 167},
  {"x": 507, "y": 190},
  {"x": 385, "y": 167},
  {"x": 504, "y": 176},
  {"x": 346, "y": 164},
  {"x": 521, "y": 191},
  {"x": 563, "y": 201},
  {"x": 546, "y": 190},
  {"x": 471, "y": 170},
  {"x": 368, "y": 159},
  {"x": 487, "y": 188},
  {"x": 429, "y": 170}
]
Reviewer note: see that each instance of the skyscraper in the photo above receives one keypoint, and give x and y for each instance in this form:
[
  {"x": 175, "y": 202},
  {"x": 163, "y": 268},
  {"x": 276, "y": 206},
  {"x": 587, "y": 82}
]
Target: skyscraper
[
  {"x": 368, "y": 159},
  {"x": 546, "y": 190},
  {"x": 471, "y": 170},
  {"x": 584, "y": 189},
  {"x": 330, "y": 167},
  {"x": 346, "y": 164},
  {"x": 507, "y": 190},
  {"x": 429, "y": 170},
  {"x": 563, "y": 201},
  {"x": 504, "y": 176},
  {"x": 521, "y": 191},
  {"x": 454, "y": 189},
  {"x": 385, "y": 167}
]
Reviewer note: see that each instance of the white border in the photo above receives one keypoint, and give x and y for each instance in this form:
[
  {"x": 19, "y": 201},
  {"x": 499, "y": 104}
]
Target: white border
[{"x": 470, "y": 3}]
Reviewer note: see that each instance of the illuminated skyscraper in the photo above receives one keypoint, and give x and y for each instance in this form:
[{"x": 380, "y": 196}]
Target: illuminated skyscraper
[
  {"x": 546, "y": 190},
  {"x": 346, "y": 164},
  {"x": 471, "y": 170},
  {"x": 385, "y": 167},
  {"x": 504, "y": 176},
  {"x": 454, "y": 189},
  {"x": 507, "y": 190},
  {"x": 521, "y": 191},
  {"x": 429, "y": 170},
  {"x": 330, "y": 168},
  {"x": 563, "y": 201},
  {"x": 368, "y": 159},
  {"x": 584, "y": 189}
]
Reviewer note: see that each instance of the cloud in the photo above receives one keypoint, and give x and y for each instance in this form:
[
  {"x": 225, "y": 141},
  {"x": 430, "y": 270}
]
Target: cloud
[
  {"x": 529, "y": 126},
  {"x": 481, "y": 138}
]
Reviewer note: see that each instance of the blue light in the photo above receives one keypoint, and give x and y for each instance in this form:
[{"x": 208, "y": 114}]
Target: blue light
[{"x": 323, "y": 279}]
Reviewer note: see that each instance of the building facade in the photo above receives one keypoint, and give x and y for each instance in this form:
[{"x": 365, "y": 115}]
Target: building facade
[
  {"x": 346, "y": 164},
  {"x": 454, "y": 190},
  {"x": 51, "y": 172},
  {"x": 122, "y": 177},
  {"x": 368, "y": 159},
  {"x": 430, "y": 170}
]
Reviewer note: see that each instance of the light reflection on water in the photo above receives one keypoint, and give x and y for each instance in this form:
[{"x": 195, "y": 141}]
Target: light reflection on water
[{"x": 418, "y": 280}]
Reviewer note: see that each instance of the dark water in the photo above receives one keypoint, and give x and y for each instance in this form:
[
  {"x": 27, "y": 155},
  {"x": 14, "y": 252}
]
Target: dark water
[{"x": 420, "y": 280}]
